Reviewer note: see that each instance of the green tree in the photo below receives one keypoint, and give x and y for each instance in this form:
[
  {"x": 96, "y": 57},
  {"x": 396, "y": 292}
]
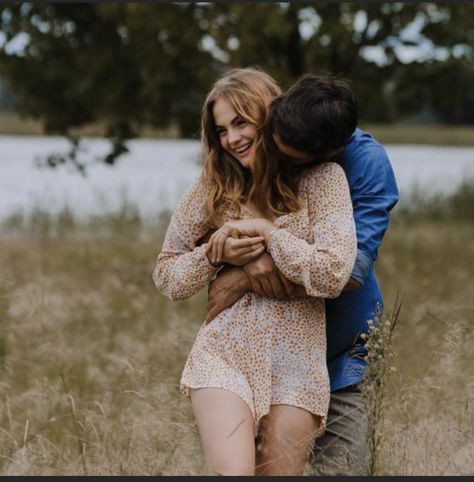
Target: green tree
[
  {"x": 134, "y": 65},
  {"x": 126, "y": 65},
  {"x": 441, "y": 84},
  {"x": 290, "y": 39}
]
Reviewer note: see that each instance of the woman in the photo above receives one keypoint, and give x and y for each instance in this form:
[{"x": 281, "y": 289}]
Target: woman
[{"x": 259, "y": 368}]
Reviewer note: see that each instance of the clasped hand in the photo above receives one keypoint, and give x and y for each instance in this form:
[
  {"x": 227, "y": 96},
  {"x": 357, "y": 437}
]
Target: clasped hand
[{"x": 238, "y": 242}]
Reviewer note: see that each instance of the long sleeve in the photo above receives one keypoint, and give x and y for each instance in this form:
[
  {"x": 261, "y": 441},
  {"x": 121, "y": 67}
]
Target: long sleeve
[
  {"x": 182, "y": 268},
  {"x": 374, "y": 193},
  {"x": 324, "y": 266}
]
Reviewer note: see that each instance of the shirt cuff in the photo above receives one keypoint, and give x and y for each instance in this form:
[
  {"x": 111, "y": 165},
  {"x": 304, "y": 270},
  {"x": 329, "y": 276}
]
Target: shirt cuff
[
  {"x": 206, "y": 263},
  {"x": 362, "y": 266},
  {"x": 273, "y": 238}
]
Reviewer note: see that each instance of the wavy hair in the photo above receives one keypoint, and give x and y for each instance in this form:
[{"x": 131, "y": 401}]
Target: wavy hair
[{"x": 268, "y": 183}]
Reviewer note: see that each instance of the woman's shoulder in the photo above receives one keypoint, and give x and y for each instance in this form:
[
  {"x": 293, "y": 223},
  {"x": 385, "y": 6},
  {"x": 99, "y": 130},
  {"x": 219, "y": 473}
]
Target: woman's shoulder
[
  {"x": 326, "y": 171},
  {"x": 189, "y": 217},
  {"x": 191, "y": 206},
  {"x": 196, "y": 193}
]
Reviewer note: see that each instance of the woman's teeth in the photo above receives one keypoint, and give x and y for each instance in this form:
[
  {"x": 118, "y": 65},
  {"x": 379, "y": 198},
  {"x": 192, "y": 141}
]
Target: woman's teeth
[{"x": 242, "y": 149}]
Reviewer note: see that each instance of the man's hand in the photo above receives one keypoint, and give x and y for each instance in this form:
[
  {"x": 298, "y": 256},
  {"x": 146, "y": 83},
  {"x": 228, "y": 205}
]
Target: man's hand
[
  {"x": 266, "y": 280},
  {"x": 205, "y": 238},
  {"x": 229, "y": 286},
  {"x": 352, "y": 284}
]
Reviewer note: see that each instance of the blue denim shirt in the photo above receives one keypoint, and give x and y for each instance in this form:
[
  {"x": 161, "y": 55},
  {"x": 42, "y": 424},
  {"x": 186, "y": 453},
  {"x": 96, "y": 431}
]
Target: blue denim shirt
[{"x": 374, "y": 193}]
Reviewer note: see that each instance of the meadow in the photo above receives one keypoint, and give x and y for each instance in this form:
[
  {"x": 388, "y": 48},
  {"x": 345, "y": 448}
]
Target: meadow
[{"x": 91, "y": 353}]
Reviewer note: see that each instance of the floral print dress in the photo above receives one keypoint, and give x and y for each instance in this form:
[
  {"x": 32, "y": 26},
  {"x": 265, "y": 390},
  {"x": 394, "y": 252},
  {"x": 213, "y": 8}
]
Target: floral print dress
[{"x": 267, "y": 351}]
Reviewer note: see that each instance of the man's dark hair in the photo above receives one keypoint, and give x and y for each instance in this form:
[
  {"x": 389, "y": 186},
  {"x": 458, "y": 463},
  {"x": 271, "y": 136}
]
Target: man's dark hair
[{"x": 316, "y": 115}]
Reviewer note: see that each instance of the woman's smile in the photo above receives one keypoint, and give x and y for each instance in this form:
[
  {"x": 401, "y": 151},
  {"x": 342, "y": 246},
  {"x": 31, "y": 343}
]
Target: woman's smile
[{"x": 236, "y": 134}]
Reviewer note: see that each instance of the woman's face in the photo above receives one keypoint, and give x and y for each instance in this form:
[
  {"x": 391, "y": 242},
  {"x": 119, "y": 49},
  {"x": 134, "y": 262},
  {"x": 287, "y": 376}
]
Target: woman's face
[{"x": 237, "y": 135}]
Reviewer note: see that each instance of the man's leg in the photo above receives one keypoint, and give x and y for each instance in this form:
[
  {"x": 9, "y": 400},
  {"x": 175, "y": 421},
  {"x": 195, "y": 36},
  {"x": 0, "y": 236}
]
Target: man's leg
[{"x": 343, "y": 449}]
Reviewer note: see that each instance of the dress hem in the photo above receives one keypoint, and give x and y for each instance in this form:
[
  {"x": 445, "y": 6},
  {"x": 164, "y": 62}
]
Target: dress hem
[{"x": 185, "y": 390}]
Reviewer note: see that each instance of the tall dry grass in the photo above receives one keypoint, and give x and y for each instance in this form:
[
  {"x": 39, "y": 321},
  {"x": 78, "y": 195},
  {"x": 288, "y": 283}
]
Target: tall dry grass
[
  {"x": 428, "y": 414},
  {"x": 91, "y": 353}
]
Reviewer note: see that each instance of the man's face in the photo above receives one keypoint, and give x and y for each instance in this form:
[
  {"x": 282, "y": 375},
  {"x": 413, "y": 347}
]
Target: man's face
[
  {"x": 297, "y": 157},
  {"x": 301, "y": 158}
]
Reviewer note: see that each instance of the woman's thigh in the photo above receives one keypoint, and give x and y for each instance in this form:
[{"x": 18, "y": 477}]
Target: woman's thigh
[
  {"x": 286, "y": 437},
  {"x": 227, "y": 428}
]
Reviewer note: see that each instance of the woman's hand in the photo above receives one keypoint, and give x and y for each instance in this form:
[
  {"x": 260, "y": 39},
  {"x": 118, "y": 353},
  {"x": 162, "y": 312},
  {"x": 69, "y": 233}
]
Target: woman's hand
[
  {"x": 254, "y": 230},
  {"x": 240, "y": 251}
]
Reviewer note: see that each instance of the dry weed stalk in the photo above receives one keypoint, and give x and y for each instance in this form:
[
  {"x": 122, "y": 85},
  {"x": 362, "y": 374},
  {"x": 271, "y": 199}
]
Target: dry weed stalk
[
  {"x": 77, "y": 425},
  {"x": 380, "y": 364}
]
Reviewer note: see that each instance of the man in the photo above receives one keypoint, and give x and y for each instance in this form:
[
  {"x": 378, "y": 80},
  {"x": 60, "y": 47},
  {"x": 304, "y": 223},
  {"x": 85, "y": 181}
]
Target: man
[{"x": 316, "y": 121}]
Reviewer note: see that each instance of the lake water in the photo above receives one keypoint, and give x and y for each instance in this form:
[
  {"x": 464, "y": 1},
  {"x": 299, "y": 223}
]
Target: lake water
[{"x": 154, "y": 174}]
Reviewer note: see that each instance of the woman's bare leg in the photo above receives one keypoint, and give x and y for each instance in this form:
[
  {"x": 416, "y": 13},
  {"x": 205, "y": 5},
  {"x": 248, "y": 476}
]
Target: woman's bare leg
[
  {"x": 227, "y": 428},
  {"x": 285, "y": 438}
]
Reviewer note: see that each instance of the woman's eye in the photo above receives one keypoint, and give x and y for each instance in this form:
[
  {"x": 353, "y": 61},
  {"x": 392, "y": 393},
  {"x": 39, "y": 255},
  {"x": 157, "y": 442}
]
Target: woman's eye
[
  {"x": 241, "y": 122},
  {"x": 220, "y": 133}
]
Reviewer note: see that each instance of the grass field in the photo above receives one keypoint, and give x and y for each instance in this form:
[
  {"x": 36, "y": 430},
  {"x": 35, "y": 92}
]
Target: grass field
[
  {"x": 91, "y": 353},
  {"x": 11, "y": 123}
]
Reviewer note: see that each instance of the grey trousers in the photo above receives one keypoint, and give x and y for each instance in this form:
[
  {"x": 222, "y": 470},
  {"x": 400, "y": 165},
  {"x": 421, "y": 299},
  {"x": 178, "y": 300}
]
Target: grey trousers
[{"x": 343, "y": 449}]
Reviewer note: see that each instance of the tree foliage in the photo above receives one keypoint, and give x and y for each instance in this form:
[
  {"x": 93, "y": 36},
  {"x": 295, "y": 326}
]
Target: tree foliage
[
  {"x": 126, "y": 65},
  {"x": 130, "y": 65}
]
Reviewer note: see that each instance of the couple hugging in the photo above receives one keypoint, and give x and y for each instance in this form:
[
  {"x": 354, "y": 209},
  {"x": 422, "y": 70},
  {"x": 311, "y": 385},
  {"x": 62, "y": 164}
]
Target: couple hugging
[{"x": 283, "y": 225}]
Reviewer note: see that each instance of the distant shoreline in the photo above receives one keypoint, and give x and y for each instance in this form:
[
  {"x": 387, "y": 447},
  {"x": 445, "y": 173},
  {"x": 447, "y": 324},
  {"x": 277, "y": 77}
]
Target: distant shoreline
[{"x": 447, "y": 135}]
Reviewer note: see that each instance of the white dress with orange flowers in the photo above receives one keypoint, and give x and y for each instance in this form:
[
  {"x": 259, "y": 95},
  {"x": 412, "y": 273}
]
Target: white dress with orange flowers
[{"x": 267, "y": 351}]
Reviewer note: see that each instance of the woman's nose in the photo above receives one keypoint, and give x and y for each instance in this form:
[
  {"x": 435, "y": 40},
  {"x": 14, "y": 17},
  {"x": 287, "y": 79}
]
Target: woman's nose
[{"x": 233, "y": 136}]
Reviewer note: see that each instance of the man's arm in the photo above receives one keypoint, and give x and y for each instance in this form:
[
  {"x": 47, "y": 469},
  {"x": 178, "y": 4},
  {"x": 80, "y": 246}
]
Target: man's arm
[
  {"x": 261, "y": 276},
  {"x": 374, "y": 193},
  {"x": 230, "y": 285}
]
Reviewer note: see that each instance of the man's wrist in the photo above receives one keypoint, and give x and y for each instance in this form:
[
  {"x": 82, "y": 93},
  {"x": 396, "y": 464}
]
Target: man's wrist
[{"x": 244, "y": 280}]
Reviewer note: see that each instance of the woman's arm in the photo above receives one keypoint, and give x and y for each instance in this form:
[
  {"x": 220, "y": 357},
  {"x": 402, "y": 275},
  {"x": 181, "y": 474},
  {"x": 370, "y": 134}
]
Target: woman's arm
[
  {"x": 182, "y": 267},
  {"x": 323, "y": 267}
]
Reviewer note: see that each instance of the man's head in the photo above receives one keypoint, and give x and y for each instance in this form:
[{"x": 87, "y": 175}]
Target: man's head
[{"x": 314, "y": 119}]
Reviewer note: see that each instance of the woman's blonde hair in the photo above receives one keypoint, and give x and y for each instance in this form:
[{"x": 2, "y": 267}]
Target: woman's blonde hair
[{"x": 250, "y": 92}]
